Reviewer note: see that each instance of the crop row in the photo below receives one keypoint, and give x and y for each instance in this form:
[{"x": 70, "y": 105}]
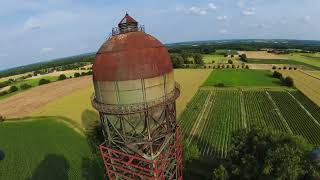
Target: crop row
[
  {"x": 192, "y": 111},
  {"x": 260, "y": 111},
  {"x": 229, "y": 110},
  {"x": 297, "y": 118}
]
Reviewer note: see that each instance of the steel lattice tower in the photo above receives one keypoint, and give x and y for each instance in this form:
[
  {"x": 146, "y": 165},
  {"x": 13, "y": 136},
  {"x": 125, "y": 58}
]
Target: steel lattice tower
[{"x": 135, "y": 94}]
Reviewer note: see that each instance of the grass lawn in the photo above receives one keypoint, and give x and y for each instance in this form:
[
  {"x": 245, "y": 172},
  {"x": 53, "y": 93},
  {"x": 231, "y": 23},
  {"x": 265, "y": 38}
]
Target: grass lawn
[
  {"x": 243, "y": 77},
  {"x": 45, "y": 148},
  {"x": 307, "y": 58}
]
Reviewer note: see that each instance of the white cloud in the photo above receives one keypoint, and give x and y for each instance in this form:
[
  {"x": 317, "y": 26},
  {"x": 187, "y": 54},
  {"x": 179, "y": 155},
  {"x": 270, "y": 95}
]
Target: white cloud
[
  {"x": 48, "y": 19},
  {"x": 249, "y": 11},
  {"x": 223, "y": 31},
  {"x": 306, "y": 19},
  {"x": 196, "y": 10},
  {"x": 212, "y": 6},
  {"x": 46, "y": 50},
  {"x": 222, "y": 18}
]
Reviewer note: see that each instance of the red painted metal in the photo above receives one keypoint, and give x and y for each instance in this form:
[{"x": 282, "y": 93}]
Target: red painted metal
[
  {"x": 133, "y": 166},
  {"x": 129, "y": 56},
  {"x": 127, "y": 20}
]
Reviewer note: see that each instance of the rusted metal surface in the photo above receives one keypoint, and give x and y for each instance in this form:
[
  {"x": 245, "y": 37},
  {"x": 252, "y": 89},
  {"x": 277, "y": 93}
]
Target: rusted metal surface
[
  {"x": 129, "y": 56},
  {"x": 135, "y": 108}
]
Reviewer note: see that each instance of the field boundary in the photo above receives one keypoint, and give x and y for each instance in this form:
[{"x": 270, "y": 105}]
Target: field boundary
[{"x": 199, "y": 119}]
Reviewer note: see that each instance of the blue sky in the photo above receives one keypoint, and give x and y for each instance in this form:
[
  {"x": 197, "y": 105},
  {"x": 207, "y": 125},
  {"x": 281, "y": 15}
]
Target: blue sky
[{"x": 39, "y": 30}]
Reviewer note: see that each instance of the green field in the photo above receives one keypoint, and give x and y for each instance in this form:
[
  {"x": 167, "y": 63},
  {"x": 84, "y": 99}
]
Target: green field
[
  {"x": 282, "y": 61},
  {"x": 34, "y": 82},
  {"x": 243, "y": 77},
  {"x": 45, "y": 148},
  {"x": 215, "y": 113},
  {"x": 307, "y": 58},
  {"x": 217, "y": 58}
]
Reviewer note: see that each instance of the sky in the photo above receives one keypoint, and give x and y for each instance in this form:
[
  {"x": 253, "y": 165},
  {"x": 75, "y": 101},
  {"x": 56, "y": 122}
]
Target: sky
[{"x": 40, "y": 30}]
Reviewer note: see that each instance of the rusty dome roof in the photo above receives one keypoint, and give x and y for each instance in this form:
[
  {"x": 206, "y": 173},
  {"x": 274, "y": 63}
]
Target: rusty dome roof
[{"x": 129, "y": 56}]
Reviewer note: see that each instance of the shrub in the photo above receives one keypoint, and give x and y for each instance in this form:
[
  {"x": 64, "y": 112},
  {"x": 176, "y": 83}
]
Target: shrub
[
  {"x": 274, "y": 67},
  {"x": 187, "y": 65},
  {"x": 219, "y": 85},
  {"x": 212, "y": 62},
  {"x": 25, "y": 86},
  {"x": 83, "y": 74},
  {"x": 288, "y": 81},
  {"x": 2, "y": 118},
  {"x": 277, "y": 75},
  {"x": 13, "y": 89},
  {"x": 230, "y": 61},
  {"x": 76, "y": 74},
  {"x": 43, "y": 81},
  {"x": 62, "y": 77},
  {"x": 2, "y": 93}
]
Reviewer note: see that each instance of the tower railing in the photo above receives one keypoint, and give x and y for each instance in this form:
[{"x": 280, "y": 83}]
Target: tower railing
[{"x": 116, "y": 30}]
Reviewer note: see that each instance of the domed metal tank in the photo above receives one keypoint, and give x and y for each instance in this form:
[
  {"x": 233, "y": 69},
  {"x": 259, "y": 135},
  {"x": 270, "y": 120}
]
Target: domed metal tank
[{"x": 135, "y": 94}]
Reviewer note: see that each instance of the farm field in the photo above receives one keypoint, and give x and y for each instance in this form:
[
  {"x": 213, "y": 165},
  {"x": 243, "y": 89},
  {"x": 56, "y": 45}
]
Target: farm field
[
  {"x": 217, "y": 58},
  {"x": 243, "y": 77},
  {"x": 262, "y": 55},
  {"x": 303, "y": 58},
  {"x": 215, "y": 113},
  {"x": 26, "y": 102},
  {"x": 312, "y": 59},
  {"x": 75, "y": 106},
  {"x": 45, "y": 148},
  {"x": 309, "y": 85}
]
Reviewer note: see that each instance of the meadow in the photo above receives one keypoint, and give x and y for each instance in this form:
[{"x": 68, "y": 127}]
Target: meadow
[
  {"x": 213, "y": 114},
  {"x": 243, "y": 77},
  {"x": 46, "y": 148}
]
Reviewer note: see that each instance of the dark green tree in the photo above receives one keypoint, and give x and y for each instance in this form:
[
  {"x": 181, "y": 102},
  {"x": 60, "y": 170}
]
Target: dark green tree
[
  {"x": 25, "y": 86},
  {"x": 265, "y": 154},
  {"x": 13, "y": 89},
  {"x": 198, "y": 59},
  {"x": 43, "y": 81},
  {"x": 243, "y": 58},
  {"x": 77, "y": 74},
  {"x": 220, "y": 173},
  {"x": 288, "y": 81},
  {"x": 62, "y": 77},
  {"x": 177, "y": 60}
]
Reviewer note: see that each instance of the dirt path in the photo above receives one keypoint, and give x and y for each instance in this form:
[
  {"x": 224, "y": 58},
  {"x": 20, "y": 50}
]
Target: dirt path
[{"x": 28, "y": 101}]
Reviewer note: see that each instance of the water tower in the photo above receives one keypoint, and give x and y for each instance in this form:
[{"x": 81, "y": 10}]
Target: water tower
[{"x": 135, "y": 94}]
